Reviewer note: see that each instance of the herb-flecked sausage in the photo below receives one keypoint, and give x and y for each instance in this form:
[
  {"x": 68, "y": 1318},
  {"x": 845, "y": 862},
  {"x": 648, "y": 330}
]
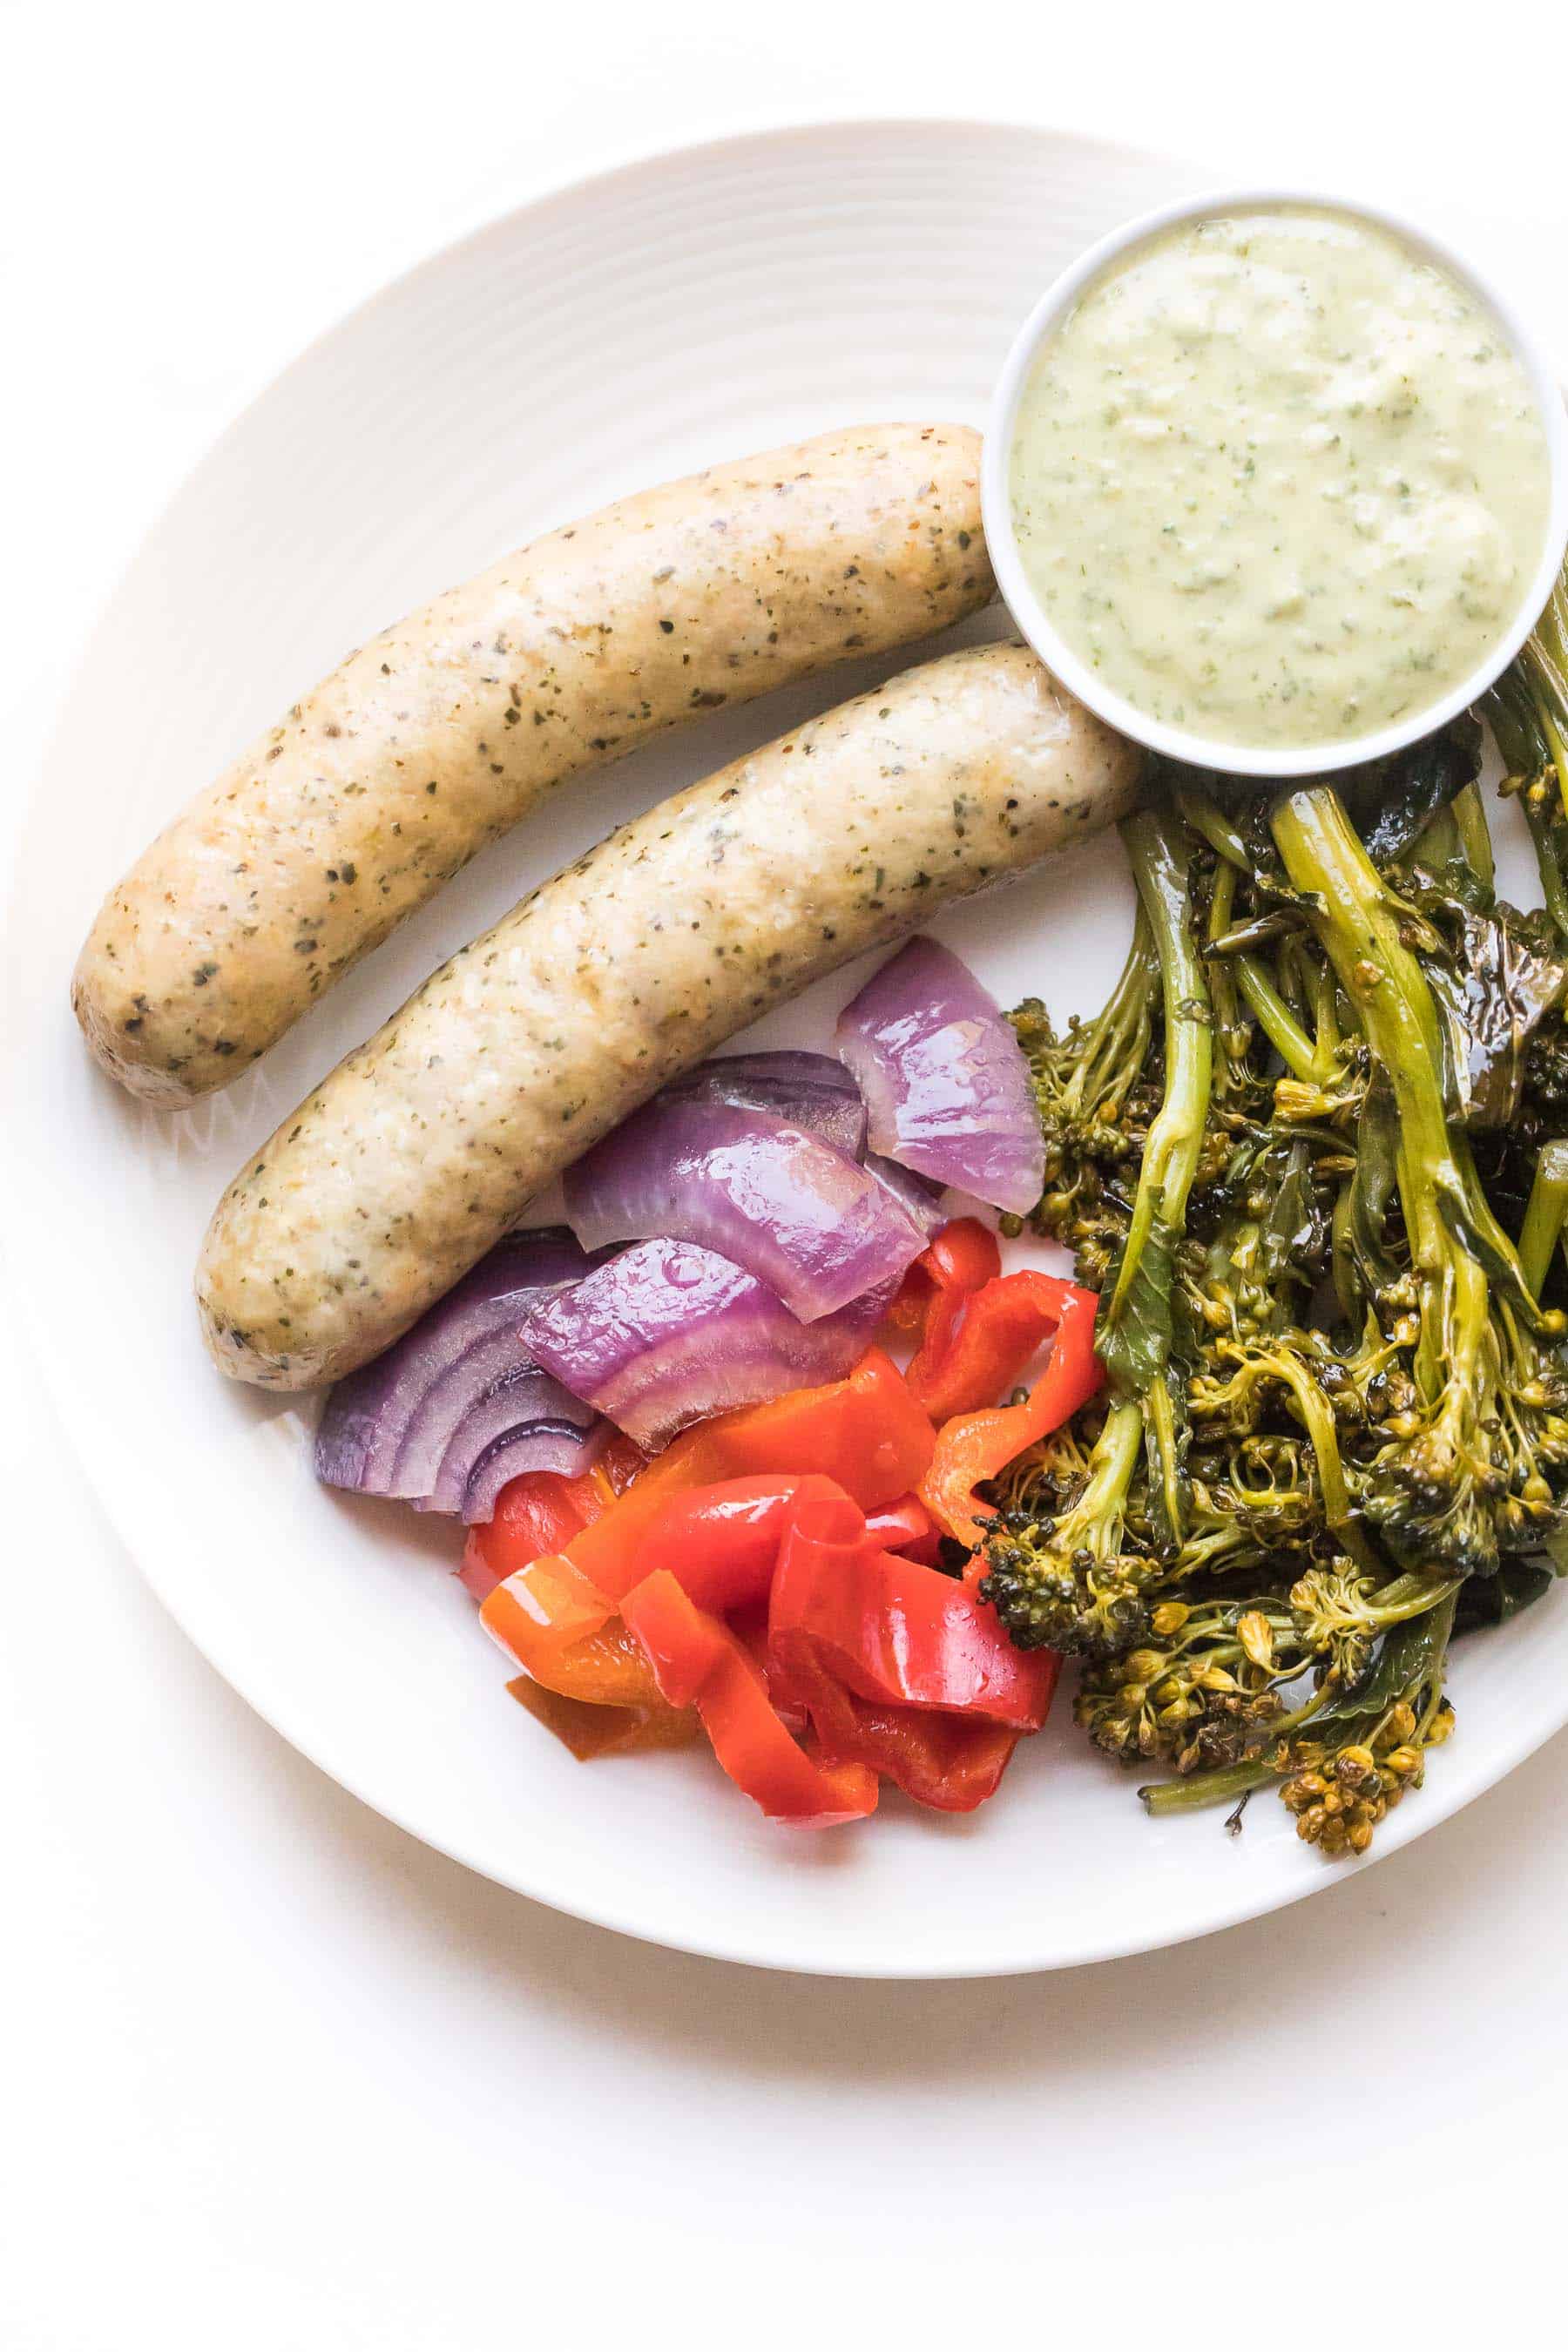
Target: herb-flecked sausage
[
  {"x": 446, "y": 730},
  {"x": 424, "y": 1145}
]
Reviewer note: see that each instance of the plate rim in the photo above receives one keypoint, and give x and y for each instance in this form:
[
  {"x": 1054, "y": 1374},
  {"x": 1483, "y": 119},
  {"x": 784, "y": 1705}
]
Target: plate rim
[{"x": 1512, "y": 1745}]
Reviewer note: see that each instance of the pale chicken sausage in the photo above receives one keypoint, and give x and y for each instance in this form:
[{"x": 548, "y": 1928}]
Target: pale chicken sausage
[
  {"x": 448, "y": 728},
  {"x": 425, "y": 1144}
]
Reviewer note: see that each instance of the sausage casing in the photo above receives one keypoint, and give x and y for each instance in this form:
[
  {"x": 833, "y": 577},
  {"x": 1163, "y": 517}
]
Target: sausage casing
[
  {"x": 446, "y": 731},
  {"x": 424, "y": 1145}
]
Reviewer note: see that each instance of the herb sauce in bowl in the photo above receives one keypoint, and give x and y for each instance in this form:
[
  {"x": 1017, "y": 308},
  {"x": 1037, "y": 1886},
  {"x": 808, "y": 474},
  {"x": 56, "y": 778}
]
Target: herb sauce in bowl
[{"x": 1279, "y": 479}]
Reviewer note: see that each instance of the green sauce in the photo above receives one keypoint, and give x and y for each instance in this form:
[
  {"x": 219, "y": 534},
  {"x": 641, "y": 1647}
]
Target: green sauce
[{"x": 1279, "y": 479}]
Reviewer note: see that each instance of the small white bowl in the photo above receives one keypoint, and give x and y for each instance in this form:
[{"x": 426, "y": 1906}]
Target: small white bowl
[{"x": 1177, "y": 742}]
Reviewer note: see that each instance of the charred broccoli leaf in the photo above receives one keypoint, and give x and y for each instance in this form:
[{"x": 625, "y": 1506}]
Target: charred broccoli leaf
[
  {"x": 1498, "y": 976},
  {"x": 1391, "y": 801}
]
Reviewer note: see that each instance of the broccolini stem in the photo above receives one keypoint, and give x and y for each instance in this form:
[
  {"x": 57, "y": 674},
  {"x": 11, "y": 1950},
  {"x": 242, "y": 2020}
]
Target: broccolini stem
[
  {"x": 1108, "y": 1051},
  {"x": 1161, "y": 1424},
  {"x": 1202, "y": 1789},
  {"x": 1528, "y": 710},
  {"x": 1554, "y": 885},
  {"x": 1412, "y": 1595},
  {"x": 1277, "y": 1021},
  {"x": 1342, "y": 1259},
  {"x": 1359, "y": 927},
  {"x": 1318, "y": 1419},
  {"x": 1457, "y": 835},
  {"x": 1197, "y": 810},
  {"x": 1119, "y": 1035},
  {"x": 1110, "y": 1466},
  {"x": 1544, "y": 1218},
  {"x": 1429, "y": 1634},
  {"x": 1159, "y": 851},
  {"x": 1550, "y": 692},
  {"x": 1474, "y": 835},
  {"x": 1326, "y": 1019}
]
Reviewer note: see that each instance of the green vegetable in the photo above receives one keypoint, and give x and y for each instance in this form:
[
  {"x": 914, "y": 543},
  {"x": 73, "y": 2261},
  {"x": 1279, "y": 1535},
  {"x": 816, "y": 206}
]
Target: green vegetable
[
  {"x": 1310, "y": 1156},
  {"x": 1528, "y": 713},
  {"x": 1072, "y": 1577}
]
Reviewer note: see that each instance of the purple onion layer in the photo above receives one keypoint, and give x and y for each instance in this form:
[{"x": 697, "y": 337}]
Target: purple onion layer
[
  {"x": 809, "y": 1090},
  {"x": 945, "y": 1077},
  {"x": 777, "y": 1201},
  {"x": 668, "y": 1333},
  {"x": 388, "y": 1428}
]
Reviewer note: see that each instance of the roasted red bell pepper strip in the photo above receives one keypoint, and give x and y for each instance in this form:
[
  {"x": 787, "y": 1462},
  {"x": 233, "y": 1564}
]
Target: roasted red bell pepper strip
[
  {"x": 608, "y": 1668},
  {"x": 894, "y": 1631},
  {"x": 866, "y": 1433},
  {"x": 750, "y": 1627},
  {"x": 539, "y": 1512},
  {"x": 699, "y": 1661},
  {"x": 959, "y": 1258},
  {"x": 971, "y": 1450},
  {"x": 720, "y": 1543},
  {"x": 962, "y": 1255},
  {"x": 906, "y": 1526},
  {"x": 594, "y": 1729},
  {"x": 535, "y": 1514},
  {"x": 543, "y": 1611},
  {"x": 949, "y": 1762},
  {"x": 603, "y": 1671},
  {"x": 978, "y": 1342},
  {"x": 621, "y": 1461}
]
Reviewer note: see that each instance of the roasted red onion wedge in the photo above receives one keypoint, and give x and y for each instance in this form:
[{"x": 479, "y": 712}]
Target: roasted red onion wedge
[
  {"x": 945, "y": 1077},
  {"x": 777, "y": 1201},
  {"x": 668, "y": 1333},
  {"x": 918, "y": 1196},
  {"x": 548, "y": 1445},
  {"x": 810, "y": 1090},
  {"x": 387, "y": 1428},
  {"x": 522, "y": 1402}
]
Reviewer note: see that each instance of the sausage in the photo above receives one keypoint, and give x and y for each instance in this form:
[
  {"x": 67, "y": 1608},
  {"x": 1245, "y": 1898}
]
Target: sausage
[
  {"x": 446, "y": 731},
  {"x": 422, "y": 1148}
]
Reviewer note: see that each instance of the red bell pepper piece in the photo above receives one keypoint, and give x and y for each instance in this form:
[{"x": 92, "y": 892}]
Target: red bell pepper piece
[
  {"x": 537, "y": 1603},
  {"x": 621, "y": 1461},
  {"x": 962, "y": 1255},
  {"x": 590, "y": 1729},
  {"x": 906, "y": 1526},
  {"x": 696, "y": 1661},
  {"x": 608, "y": 1668},
  {"x": 959, "y": 1258},
  {"x": 866, "y": 1433},
  {"x": 894, "y": 1631},
  {"x": 971, "y": 1450},
  {"x": 534, "y": 1515},
  {"x": 539, "y": 1513},
  {"x": 543, "y": 1611},
  {"x": 720, "y": 1543},
  {"x": 949, "y": 1762},
  {"x": 978, "y": 1342}
]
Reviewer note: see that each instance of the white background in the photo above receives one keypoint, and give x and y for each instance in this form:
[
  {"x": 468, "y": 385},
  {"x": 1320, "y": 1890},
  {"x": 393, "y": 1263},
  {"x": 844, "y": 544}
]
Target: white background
[{"x": 270, "y": 2073}]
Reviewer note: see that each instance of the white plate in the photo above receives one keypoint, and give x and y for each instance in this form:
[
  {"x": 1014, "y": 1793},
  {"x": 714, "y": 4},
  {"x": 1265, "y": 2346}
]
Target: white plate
[{"x": 699, "y": 305}]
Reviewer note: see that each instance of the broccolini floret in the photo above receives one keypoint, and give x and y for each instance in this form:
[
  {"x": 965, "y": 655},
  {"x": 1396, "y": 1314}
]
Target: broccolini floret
[
  {"x": 1309, "y": 1156},
  {"x": 1069, "y": 1576}
]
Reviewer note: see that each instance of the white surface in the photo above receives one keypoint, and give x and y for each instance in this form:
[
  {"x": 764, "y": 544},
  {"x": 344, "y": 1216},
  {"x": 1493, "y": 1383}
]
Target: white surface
[
  {"x": 1520, "y": 329},
  {"x": 527, "y": 374},
  {"x": 621, "y": 333},
  {"x": 275, "y": 2075}
]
